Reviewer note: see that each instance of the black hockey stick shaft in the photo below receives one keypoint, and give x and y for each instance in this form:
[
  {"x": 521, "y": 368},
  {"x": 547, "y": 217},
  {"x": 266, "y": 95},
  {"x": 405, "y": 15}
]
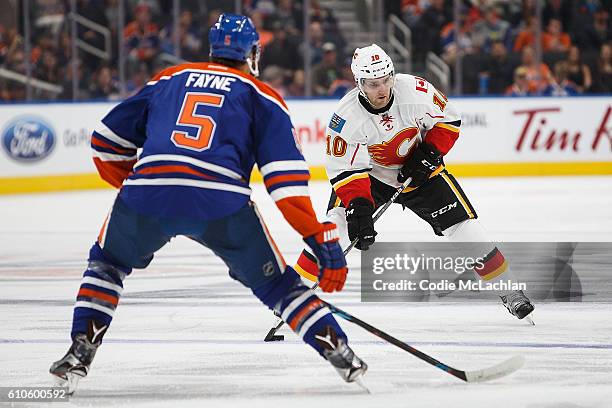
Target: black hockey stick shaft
[
  {"x": 380, "y": 211},
  {"x": 387, "y": 337}
]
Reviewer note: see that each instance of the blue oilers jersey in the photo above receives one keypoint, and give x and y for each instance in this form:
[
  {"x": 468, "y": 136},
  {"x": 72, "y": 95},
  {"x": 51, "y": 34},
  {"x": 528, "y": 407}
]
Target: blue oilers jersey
[{"x": 186, "y": 144}]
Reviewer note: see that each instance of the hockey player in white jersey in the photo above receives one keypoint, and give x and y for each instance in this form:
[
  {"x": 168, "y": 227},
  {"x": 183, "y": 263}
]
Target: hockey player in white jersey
[{"x": 389, "y": 128}]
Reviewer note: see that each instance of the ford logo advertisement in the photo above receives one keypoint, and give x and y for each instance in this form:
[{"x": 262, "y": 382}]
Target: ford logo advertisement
[{"x": 28, "y": 139}]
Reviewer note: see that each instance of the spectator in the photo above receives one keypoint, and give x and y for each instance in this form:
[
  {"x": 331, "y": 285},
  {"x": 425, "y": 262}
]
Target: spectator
[
  {"x": 265, "y": 36},
  {"x": 411, "y": 12},
  {"x": 526, "y": 37},
  {"x": 275, "y": 77},
  {"x": 560, "y": 10},
  {"x": 190, "y": 37},
  {"x": 603, "y": 73},
  {"x": 593, "y": 36},
  {"x": 520, "y": 87},
  {"x": 316, "y": 43},
  {"x": 283, "y": 51},
  {"x": 491, "y": 28},
  {"x": 48, "y": 69},
  {"x": 344, "y": 83},
  {"x": 82, "y": 83},
  {"x": 554, "y": 39},
  {"x": 427, "y": 35},
  {"x": 538, "y": 75},
  {"x": 289, "y": 14},
  {"x": 450, "y": 47},
  {"x": 326, "y": 72},
  {"x": 141, "y": 38},
  {"x": 296, "y": 87},
  {"x": 104, "y": 87},
  {"x": 561, "y": 86},
  {"x": 326, "y": 17},
  {"x": 499, "y": 69},
  {"x": 10, "y": 40},
  {"x": 578, "y": 72},
  {"x": 137, "y": 81}
]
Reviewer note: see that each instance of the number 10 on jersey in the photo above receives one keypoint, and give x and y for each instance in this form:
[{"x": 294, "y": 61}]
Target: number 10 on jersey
[{"x": 203, "y": 125}]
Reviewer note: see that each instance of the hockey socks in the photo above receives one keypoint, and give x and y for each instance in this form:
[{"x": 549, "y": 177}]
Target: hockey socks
[
  {"x": 300, "y": 308},
  {"x": 473, "y": 240},
  {"x": 99, "y": 293}
]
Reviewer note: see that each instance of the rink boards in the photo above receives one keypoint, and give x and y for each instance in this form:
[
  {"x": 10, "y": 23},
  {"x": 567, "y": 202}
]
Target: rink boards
[{"x": 45, "y": 147}]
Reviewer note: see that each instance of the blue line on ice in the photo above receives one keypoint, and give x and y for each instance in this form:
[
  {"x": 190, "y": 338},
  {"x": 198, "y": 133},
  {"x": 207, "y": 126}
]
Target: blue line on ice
[{"x": 372, "y": 342}]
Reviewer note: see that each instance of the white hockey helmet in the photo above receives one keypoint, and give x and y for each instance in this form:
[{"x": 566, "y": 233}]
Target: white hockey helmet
[{"x": 371, "y": 62}]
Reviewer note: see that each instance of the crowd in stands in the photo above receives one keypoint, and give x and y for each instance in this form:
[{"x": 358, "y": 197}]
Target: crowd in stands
[{"x": 496, "y": 42}]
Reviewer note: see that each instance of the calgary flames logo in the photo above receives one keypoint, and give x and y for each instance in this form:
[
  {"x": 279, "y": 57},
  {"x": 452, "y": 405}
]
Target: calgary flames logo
[{"x": 393, "y": 152}]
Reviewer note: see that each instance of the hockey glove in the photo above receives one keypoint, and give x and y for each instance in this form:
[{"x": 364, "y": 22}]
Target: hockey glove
[
  {"x": 360, "y": 223},
  {"x": 424, "y": 161},
  {"x": 332, "y": 265}
]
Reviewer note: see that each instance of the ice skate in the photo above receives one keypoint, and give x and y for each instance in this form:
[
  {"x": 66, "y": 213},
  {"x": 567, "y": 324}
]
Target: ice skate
[
  {"x": 518, "y": 305},
  {"x": 75, "y": 364},
  {"x": 350, "y": 367}
]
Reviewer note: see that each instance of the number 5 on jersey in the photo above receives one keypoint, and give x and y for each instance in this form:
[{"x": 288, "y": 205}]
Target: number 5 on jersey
[{"x": 203, "y": 125}]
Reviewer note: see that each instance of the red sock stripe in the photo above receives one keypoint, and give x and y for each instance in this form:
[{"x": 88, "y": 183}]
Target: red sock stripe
[
  {"x": 98, "y": 295},
  {"x": 310, "y": 307},
  {"x": 308, "y": 264},
  {"x": 491, "y": 263}
]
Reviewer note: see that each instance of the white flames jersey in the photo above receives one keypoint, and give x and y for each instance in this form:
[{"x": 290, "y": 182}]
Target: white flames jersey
[{"x": 361, "y": 139}]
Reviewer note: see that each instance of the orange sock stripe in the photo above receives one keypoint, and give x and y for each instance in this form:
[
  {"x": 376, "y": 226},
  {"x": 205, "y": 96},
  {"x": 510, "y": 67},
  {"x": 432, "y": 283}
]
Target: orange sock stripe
[
  {"x": 99, "y": 295},
  {"x": 314, "y": 304}
]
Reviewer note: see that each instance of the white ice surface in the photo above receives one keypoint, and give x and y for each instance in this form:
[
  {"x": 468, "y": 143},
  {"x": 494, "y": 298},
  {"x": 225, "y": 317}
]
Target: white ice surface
[{"x": 185, "y": 335}]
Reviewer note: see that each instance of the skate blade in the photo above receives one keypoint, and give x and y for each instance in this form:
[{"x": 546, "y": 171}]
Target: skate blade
[
  {"x": 529, "y": 320},
  {"x": 71, "y": 382},
  {"x": 359, "y": 381}
]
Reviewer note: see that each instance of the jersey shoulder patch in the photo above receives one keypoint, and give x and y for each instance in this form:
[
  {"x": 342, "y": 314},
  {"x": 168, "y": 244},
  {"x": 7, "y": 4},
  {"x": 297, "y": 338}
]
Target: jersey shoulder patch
[{"x": 336, "y": 123}]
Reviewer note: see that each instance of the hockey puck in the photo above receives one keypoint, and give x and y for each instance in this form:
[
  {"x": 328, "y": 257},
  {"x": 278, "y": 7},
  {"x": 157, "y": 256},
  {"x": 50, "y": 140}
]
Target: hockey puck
[{"x": 276, "y": 337}]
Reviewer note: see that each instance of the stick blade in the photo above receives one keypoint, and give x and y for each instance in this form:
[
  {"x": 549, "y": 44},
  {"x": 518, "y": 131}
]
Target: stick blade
[
  {"x": 272, "y": 336},
  {"x": 497, "y": 371}
]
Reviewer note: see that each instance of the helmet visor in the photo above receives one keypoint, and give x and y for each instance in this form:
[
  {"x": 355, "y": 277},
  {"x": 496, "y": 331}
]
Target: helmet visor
[{"x": 372, "y": 85}]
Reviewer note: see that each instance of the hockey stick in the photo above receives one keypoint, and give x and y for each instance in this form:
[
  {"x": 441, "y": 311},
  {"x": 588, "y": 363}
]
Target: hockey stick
[
  {"x": 272, "y": 336},
  {"x": 486, "y": 374}
]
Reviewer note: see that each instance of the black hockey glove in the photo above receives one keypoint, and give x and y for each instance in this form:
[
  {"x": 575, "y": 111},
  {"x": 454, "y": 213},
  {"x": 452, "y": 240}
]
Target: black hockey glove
[
  {"x": 360, "y": 223},
  {"x": 422, "y": 162}
]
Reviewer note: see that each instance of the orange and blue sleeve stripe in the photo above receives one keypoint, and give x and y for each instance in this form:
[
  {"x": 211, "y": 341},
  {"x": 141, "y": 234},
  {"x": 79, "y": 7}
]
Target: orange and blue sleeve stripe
[
  {"x": 113, "y": 160},
  {"x": 286, "y": 178},
  {"x": 287, "y": 184}
]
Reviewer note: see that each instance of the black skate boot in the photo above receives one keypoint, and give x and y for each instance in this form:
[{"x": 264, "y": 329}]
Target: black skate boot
[
  {"x": 339, "y": 354},
  {"x": 75, "y": 364},
  {"x": 517, "y": 304}
]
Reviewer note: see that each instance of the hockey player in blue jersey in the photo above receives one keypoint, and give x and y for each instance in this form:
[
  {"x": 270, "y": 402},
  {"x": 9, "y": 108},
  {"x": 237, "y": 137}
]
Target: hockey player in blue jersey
[{"x": 201, "y": 128}]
